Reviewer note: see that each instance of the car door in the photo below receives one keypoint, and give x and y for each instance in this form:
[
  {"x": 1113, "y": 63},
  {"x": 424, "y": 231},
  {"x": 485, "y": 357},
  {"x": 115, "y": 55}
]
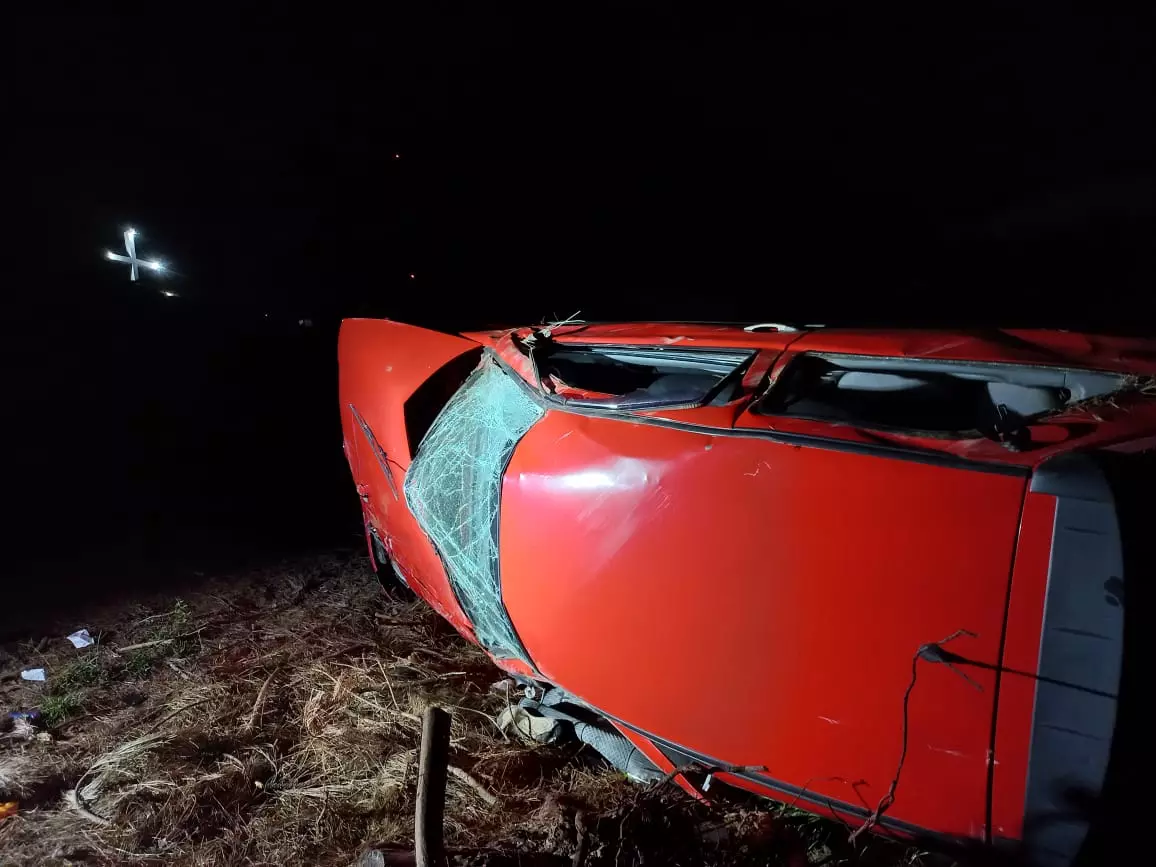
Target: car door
[
  {"x": 393, "y": 379},
  {"x": 754, "y": 600}
]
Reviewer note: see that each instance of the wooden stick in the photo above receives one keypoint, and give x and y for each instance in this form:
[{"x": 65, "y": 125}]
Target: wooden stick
[
  {"x": 429, "y": 849},
  {"x": 475, "y": 786},
  {"x": 156, "y": 641}
]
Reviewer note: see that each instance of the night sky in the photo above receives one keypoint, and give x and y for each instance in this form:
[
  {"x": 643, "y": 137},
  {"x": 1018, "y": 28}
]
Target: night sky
[{"x": 813, "y": 166}]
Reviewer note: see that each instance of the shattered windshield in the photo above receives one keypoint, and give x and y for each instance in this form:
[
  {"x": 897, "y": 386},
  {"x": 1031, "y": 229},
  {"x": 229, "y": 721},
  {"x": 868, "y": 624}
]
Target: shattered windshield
[{"x": 453, "y": 487}]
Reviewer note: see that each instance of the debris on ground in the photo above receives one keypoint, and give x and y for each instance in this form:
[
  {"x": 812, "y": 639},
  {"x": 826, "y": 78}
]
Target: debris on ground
[
  {"x": 81, "y": 639},
  {"x": 275, "y": 718},
  {"x": 35, "y": 674}
]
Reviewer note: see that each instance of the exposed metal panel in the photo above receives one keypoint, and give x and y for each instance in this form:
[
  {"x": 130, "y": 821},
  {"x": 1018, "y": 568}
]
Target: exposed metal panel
[{"x": 1081, "y": 655}]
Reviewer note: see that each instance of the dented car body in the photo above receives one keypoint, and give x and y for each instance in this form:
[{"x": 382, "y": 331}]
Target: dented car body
[{"x": 877, "y": 574}]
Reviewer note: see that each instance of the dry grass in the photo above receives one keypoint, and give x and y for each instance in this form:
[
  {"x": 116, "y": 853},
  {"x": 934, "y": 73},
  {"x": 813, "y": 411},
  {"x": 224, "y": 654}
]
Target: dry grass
[{"x": 276, "y": 720}]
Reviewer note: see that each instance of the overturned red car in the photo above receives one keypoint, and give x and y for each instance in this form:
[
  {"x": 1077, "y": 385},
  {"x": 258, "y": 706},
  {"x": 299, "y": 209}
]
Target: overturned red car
[{"x": 877, "y": 574}]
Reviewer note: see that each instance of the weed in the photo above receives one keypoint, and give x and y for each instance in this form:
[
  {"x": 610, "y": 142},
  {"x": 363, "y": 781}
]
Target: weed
[
  {"x": 138, "y": 663},
  {"x": 174, "y": 629},
  {"x": 55, "y": 709},
  {"x": 179, "y": 618},
  {"x": 84, "y": 671}
]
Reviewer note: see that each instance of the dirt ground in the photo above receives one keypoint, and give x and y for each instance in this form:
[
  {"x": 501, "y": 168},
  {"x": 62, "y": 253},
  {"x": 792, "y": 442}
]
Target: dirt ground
[{"x": 274, "y": 718}]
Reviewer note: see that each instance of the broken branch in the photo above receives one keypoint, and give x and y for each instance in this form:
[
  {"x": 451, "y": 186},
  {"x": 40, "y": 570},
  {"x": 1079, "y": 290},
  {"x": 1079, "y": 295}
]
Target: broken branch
[{"x": 473, "y": 783}]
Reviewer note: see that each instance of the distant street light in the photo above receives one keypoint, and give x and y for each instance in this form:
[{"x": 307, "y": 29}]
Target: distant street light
[{"x": 131, "y": 259}]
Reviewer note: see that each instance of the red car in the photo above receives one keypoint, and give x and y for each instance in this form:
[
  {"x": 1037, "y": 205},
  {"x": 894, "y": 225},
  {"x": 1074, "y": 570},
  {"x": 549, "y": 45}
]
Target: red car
[{"x": 878, "y": 574}]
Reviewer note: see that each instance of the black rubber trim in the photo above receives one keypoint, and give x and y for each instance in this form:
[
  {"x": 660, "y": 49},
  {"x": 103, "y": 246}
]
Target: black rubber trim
[
  {"x": 678, "y": 755},
  {"x": 880, "y": 450},
  {"x": 1080, "y": 661},
  {"x": 989, "y": 785}
]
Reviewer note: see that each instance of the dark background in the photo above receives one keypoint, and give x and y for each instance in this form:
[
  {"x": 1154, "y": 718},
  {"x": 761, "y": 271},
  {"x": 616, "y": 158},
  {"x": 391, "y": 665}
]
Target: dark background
[{"x": 814, "y": 166}]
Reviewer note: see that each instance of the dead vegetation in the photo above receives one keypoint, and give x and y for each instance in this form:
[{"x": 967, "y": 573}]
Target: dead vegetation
[{"x": 275, "y": 718}]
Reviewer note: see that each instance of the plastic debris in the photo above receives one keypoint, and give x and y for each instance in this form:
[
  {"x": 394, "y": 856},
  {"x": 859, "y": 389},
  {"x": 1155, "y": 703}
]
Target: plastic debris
[
  {"x": 81, "y": 638},
  {"x": 36, "y": 674},
  {"x": 528, "y": 725},
  {"x": 9, "y": 808},
  {"x": 32, "y": 716}
]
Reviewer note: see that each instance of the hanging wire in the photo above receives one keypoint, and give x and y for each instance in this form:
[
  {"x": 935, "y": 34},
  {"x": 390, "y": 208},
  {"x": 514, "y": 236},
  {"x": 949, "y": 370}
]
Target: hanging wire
[{"x": 933, "y": 653}]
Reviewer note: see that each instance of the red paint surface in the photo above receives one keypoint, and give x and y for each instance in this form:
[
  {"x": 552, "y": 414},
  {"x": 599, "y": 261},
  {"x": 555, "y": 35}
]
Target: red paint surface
[
  {"x": 381, "y": 364},
  {"x": 756, "y": 601},
  {"x": 770, "y": 620},
  {"x": 1021, "y": 659},
  {"x": 1013, "y": 346},
  {"x": 648, "y": 749},
  {"x": 1105, "y": 425}
]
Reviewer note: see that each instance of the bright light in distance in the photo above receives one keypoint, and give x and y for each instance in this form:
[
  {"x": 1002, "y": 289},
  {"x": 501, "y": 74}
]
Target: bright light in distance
[
  {"x": 156, "y": 266},
  {"x": 110, "y": 254},
  {"x": 413, "y": 276},
  {"x": 168, "y": 294},
  {"x": 132, "y": 233}
]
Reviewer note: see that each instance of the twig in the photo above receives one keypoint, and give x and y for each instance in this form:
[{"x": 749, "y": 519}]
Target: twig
[
  {"x": 473, "y": 782},
  {"x": 482, "y": 713},
  {"x": 582, "y": 843},
  {"x": 144, "y": 620},
  {"x": 180, "y": 710},
  {"x": 220, "y": 599},
  {"x": 180, "y": 671},
  {"x": 392, "y": 697},
  {"x": 386, "y": 620},
  {"x": 622, "y": 832},
  {"x": 258, "y": 705},
  {"x": 429, "y": 848},
  {"x": 156, "y": 641}
]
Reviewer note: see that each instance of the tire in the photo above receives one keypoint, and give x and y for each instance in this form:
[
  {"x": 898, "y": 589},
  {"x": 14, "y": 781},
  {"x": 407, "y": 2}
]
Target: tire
[{"x": 387, "y": 574}]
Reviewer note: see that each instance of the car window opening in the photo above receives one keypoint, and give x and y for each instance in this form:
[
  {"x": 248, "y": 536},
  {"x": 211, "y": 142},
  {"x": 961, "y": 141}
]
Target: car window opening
[
  {"x": 638, "y": 377},
  {"x": 929, "y": 396},
  {"x": 423, "y": 406}
]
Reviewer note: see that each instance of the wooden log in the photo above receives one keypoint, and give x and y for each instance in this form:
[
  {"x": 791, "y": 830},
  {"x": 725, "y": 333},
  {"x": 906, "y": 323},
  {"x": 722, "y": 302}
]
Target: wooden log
[{"x": 429, "y": 848}]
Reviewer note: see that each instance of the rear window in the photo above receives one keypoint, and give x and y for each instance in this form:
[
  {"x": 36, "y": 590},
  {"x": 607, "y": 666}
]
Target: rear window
[
  {"x": 639, "y": 377},
  {"x": 423, "y": 405},
  {"x": 941, "y": 397}
]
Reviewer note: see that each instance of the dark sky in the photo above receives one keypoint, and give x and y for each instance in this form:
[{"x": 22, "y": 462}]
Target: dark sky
[
  {"x": 823, "y": 166},
  {"x": 810, "y": 165}
]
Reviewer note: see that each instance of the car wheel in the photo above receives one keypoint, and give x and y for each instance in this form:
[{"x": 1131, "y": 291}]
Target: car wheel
[{"x": 387, "y": 573}]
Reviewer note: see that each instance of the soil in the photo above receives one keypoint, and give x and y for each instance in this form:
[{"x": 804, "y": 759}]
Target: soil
[{"x": 274, "y": 716}]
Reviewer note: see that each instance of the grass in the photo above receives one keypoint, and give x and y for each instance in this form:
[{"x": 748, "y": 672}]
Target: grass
[
  {"x": 168, "y": 638},
  {"x": 85, "y": 671},
  {"x": 287, "y": 729},
  {"x": 57, "y": 708}
]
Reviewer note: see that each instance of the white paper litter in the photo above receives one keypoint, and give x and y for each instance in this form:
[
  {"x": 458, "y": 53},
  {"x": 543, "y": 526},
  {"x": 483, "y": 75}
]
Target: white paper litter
[
  {"x": 81, "y": 638},
  {"x": 32, "y": 674}
]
